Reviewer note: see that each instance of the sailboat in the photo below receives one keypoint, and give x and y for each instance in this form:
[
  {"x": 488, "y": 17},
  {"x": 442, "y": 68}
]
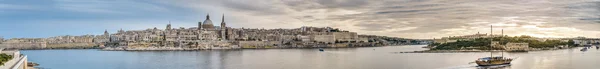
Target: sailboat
[{"x": 493, "y": 61}]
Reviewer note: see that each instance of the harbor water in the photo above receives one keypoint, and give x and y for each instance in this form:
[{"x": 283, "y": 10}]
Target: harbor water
[{"x": 331, "y": 58}]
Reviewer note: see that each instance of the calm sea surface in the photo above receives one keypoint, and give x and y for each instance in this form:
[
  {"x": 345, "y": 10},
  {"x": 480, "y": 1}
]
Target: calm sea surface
[{"x": 341, "y": 58}]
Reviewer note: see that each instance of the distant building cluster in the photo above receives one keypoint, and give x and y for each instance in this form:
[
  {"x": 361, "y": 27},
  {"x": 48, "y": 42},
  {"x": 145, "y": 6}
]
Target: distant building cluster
[
  {"x": 84, "y": 41},
  {"x": 511, "y": 46},
  {"x": 586, "y": 41},
  {"x": 208, "y": 36},
  {"x": 463, "y": 37}
]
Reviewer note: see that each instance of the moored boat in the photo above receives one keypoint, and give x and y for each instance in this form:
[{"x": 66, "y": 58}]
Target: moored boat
[{"x": 493, "y": 61}]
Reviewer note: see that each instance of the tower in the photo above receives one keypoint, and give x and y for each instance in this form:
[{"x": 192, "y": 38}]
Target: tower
[
  {"x": 223, "y": 28},
  {"x": 121, "y": 31},
  {"x": 168, "y": 26},
  {"x": 223, "y": 21},
  {"x": 1, "y": 39},
  {"x": 105, "y": 32},
  {"x": 199, "y": 25}
]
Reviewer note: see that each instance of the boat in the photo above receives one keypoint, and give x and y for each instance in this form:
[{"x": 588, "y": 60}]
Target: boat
[
  {"x": 584, "y": 49},
  {"x": 321, "y": 49},
  {"x": 493, "y": 61}
]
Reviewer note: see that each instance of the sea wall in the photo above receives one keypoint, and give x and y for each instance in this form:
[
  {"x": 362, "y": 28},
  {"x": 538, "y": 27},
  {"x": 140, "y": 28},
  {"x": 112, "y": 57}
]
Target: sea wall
[
  {"x": 258, "y": 44},
  {"x": 27, "y": 45},
  {"x": 80, "y": 45},
  {"x": 40, "y": 45}
]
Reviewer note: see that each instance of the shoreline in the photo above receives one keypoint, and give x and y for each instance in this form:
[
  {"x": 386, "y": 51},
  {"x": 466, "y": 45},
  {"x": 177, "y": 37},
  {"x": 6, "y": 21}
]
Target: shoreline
[
  {"x": 181, "y": 49},
  {"x": 473, "y": 51},
  {"x": 198, "y": 49}
]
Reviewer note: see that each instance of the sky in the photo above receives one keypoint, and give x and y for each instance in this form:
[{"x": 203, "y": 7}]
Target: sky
[{"x": 419, "y": 19}]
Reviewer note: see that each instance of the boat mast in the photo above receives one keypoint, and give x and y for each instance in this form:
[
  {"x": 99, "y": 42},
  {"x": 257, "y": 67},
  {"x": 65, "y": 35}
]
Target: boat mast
[
  {"x": 501, "y": 37},
  {"x": 491, "y": 40}
]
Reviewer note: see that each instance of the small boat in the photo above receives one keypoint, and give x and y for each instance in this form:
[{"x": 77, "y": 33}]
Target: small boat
[
  {"x": 493, "y": 61},
  {"x": 584, "y": 49},
  {"x": 321, "y": 49}
]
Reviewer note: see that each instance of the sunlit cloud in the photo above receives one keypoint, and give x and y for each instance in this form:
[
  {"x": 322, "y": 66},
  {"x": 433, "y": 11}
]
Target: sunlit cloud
[{"x": 411, "y": 18}]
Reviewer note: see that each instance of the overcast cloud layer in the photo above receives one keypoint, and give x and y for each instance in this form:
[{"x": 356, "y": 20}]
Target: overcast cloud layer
[
  {"x": 416, "y": 18},
  {"x": 423, "y": 19}
]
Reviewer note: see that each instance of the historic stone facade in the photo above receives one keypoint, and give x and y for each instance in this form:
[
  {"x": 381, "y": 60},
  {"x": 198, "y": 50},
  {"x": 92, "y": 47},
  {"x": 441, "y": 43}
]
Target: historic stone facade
[
  {"x": 208, "y": 36},
  {"x": 205, "y": 36},
  {"x": 84, "y": 41}
]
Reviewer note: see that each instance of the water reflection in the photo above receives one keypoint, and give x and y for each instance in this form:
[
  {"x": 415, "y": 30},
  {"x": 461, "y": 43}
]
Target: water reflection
[{"x": 495, "y": 67}]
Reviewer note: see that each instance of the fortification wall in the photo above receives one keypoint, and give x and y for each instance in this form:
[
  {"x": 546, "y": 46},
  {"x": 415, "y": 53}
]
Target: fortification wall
[{"x": 71, "y": 45}]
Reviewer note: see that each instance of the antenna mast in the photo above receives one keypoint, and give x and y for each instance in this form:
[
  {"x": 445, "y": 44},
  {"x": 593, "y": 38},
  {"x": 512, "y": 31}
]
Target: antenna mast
[{"x": 502, "y": 37}]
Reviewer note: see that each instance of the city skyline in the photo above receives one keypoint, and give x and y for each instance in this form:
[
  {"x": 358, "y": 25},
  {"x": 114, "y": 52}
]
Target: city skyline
[{"x": 407, "y": 19}]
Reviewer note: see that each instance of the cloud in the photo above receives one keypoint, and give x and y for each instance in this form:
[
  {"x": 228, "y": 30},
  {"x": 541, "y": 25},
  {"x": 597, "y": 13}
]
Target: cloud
[
  {"x": 48, "y": 18},
  {"x": 415, "y": 18},
  {"x": 49, "y": 28},
  {"x": 398, "y": 18},
  {"x": 109, "y": 6}
]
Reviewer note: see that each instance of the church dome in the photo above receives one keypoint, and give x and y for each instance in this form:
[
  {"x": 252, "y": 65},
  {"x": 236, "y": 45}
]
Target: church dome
[{"x": 208, "y": 23}]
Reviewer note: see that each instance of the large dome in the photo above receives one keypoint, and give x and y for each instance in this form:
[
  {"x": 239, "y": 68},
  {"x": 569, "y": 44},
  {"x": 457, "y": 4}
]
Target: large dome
[{"x": 208, "y": 24}]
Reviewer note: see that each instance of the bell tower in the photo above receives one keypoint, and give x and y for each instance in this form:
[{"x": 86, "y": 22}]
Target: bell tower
[{"x": 223, "y": 28}]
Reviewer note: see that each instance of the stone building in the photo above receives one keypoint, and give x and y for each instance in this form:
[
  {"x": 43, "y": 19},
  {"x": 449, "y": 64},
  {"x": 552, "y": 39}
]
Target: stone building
[
  {"x": 516, "y": 46},
  {"x": 259, "y": 44},
  {"x": 345, "y": 36},
  {"x": 1, "y": 39},
  {"x": 205, "y": 34},
  {"x": 208, "y": 36},
  {"x": 324, "y": 38}
]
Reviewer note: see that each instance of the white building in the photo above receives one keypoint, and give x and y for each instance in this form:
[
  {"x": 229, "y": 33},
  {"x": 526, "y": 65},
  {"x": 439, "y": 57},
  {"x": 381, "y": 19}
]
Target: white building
[{"x": 19, "y": 61}]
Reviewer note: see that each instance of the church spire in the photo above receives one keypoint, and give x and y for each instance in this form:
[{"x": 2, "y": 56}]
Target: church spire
[
  {"x": 223, "y": 29},
  {"x": 223, "y": 19},
  {"x": 223, "y": 22},
  {"x": 168, "y": 26}
]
